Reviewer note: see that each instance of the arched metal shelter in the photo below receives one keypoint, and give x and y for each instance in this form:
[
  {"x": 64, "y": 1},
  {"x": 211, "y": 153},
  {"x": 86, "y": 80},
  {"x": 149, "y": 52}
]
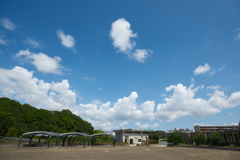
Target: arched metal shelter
[
  {"x": 39, "y": 134},
  {"x": 73, "y": 134},
  {"x": 94, "y": 136},
  {"x": 69, "y": 135}
]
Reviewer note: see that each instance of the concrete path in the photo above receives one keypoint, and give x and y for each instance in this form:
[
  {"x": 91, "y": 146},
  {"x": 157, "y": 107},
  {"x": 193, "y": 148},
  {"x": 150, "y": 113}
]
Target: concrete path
[{"x": 117, "y": 153}]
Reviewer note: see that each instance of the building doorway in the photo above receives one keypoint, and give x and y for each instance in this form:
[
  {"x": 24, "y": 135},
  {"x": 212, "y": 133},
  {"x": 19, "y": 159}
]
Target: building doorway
[{"x": 131, "y": 141}]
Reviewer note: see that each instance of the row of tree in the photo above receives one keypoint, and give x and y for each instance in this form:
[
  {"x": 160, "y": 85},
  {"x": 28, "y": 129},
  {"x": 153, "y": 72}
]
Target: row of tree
[
  {"x": 214, "y": 139},
  {"x": 16, "y": 119}
]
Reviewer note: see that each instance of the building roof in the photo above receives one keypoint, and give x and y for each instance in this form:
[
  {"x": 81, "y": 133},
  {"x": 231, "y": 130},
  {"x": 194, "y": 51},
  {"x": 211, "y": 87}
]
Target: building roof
[
  {"x": 102, "y": 134},
  {"x": 75, "y": 134},
  {"x": 41, "y": 133}
]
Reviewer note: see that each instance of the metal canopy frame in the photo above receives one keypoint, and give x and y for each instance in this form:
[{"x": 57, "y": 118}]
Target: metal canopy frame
[
  {"x": 39, "y": 134},
  {"x": 74, "y": 134},
  {"x": 94, "y": 136}
]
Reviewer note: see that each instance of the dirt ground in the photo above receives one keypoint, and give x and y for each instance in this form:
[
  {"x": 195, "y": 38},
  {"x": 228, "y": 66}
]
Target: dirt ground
[{"x": 117, "y": 153}]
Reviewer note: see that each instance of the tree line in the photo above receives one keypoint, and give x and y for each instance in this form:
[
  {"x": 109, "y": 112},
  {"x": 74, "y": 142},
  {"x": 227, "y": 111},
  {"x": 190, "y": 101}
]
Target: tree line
[
  {"x": 16, "y": 119},
  {"x": 213, "y": 139}
]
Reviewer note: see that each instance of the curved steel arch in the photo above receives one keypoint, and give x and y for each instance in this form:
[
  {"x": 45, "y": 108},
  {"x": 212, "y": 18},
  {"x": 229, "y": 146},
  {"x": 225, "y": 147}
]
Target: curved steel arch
[
  {"x": 105, "y": 134},
  {"x": 39, "y": 134},
  {"x": 102, "y": 134},
  {"x": 73, "y": 134}
]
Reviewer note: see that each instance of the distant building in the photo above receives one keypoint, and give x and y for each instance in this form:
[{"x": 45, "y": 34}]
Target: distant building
[
  {"x": 183, "y": 130},
  {"x": 199, "y": 128},
  {"x": 132, "y": 136},
  {"x": 169, "y": 131}
]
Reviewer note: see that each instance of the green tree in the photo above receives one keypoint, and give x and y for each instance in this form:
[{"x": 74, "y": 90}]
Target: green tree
[
  {"x": 191, "y": 139},
  {"x": 215, "y": 139},
  {"x": 98, "y": 131},
  {"x": 16, "y": 119},
  {"x": 7, "y": 121},
  {"x": 154, "y": 138},
  {"x": 174, "y": 138},
  {"x": 200, "y": 139}
]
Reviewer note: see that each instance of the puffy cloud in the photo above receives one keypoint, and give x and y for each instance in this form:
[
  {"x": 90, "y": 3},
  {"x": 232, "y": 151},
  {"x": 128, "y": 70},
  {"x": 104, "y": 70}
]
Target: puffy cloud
[
  {"x": 201, "y": 69},
  {"x": 121, "y": 35},
  {"x": 66, "y": 40},
  {"x": 155, "y": 125},
  {"x": 33, "y": 43},
  {"x": 8, "y": 24},
  {"x": 20, "y": 84},
  {"x": 125, "y": 109},
  {"x": 124, "y": 123},
  {"x": 96, "y": 101},
  {"x": 219, "y": 99},
  {"x": 183, "y": 103},
  {"x": 146, "y": 125},
  {"x": 41, "y": 61},
  {"x": 141, "y": 54}
]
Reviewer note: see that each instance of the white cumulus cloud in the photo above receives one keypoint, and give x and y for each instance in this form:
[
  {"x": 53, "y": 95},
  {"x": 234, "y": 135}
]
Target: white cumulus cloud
[
  {"x": 219, "y": 99},
  {"x": 141, "y": 54},
  {"x": 125, "y": 109},
  {"x": 67, "y": 41},
  {"x": 201, "y": 69},
  {"x": 19, "y": 83},
  {"x": 121, "y": 35},
  {"x": 146, "y": 125},
  {"x": 8, "y": 24},
  {"x": 183, "y": 103},
  {"x": 41, "y": 61}
]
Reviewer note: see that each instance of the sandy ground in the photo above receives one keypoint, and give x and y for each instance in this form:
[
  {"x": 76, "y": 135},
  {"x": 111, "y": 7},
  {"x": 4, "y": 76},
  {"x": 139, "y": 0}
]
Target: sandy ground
[{"x": 117, "y": 153}]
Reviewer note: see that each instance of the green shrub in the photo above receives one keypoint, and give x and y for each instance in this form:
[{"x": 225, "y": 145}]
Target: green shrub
[
  {"x": 200, "y": 139},
  {"x": 215, "y": 139},
  {"x": 191, "y": 139},
  {"x": 174, "y": 138}
]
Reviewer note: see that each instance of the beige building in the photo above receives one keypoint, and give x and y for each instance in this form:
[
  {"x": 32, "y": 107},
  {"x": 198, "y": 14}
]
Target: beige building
[
  {"x": 199, "y": 128},
  {"x": 132, "y": 136}
]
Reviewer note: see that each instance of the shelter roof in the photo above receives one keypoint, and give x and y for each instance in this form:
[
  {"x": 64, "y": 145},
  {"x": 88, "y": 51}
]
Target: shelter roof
[
  {"x": 41, "y": 133},
  {"x": 102, "y": 134},
  {"x": 75, "y": 133}
]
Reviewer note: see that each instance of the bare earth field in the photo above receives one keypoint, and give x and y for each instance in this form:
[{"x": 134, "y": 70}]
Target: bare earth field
[{"x": 117, "y": 153}]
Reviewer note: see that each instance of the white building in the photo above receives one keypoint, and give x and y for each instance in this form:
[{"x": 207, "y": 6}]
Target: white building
[{"x": 132, "y": 136}]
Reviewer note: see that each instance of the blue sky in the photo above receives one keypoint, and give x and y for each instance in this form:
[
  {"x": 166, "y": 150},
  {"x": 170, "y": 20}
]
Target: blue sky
[{"x": 133, "y": 64}]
